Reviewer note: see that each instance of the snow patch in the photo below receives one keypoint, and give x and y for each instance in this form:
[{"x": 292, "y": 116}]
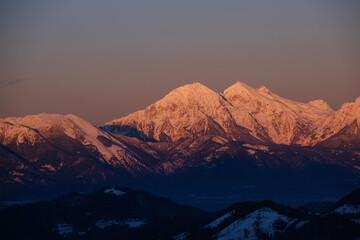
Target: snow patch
[
  {"x": 63, "y": 229},
  {"x": 130, "y": 223},
  {"x": 106, "y": 223},
  {"x": 70, "y": 132},
  {"x": 300, "y": 224},
  {"x": 18, "y": 180},
  {"x": 134, "y": 223},
  {"x": 222, "y": 149},
  {"x": 116, "y": 155},
  {"x": 257, "y": 147},
  {"x": 15, "y": 173},
  {"x": 49, "y": 167},
  {"x": 251, "y": 151},
  {"x": 264, "y": 219},
  {"x": 219, "y": 140},
  {"x": 348, "y": 209},
  {"x": 219, "y": 220},
  {"x": 114, "y": 191},
  {"x": 181, "y": 236}
]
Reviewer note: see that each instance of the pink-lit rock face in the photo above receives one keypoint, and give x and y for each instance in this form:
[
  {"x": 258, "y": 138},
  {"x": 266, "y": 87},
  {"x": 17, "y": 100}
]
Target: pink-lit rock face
[
  {"x": 192, "y": 111},
  {"x": 240, "y": 113},
  {"x": 65, "y": 140}
]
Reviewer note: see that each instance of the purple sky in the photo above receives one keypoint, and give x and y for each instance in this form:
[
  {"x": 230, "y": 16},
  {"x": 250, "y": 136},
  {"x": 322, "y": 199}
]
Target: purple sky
[{"x": 104, "y": 59}]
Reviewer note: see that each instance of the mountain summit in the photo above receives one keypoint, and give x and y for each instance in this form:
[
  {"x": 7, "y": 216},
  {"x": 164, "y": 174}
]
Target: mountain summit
[
  {"x": 240, "y": 113},
  {"x": 189, "y": 111},
  {"x": 284, "y": 120}
]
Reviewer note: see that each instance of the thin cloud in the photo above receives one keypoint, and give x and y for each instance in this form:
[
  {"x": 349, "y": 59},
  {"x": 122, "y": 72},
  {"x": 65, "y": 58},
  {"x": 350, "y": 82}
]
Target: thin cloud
[{"x": 12, "y": 82}]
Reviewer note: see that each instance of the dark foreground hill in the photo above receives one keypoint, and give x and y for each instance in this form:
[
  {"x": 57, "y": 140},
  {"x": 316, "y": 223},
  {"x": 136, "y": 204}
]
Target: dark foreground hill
[
  {"x": 122, "y": 213},
  {"x": 109, "y": 213},
  {"x": 268, "y": 220}
]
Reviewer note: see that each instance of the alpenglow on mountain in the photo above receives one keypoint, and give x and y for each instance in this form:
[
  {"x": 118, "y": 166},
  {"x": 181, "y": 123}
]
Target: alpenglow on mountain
[
  {"x": 240, "y": 113},
  {"x": 194, "y": 145}
]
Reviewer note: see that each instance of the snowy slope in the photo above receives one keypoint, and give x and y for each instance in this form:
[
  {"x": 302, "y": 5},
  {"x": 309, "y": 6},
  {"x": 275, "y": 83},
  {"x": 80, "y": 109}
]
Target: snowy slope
[
  {"x": 348, "y": 209},
  {"x": 189, "y": 112},
  {"x": 219, "y": 220},
  {"x": 349, "y": 113},
  {"x": 285, "y": 121},
  {"x": 261, "y": 221},
  {"x": 240, "y": 113},
  {"x": 192, "y": 126},
  {"x": 40, "y": 128}
]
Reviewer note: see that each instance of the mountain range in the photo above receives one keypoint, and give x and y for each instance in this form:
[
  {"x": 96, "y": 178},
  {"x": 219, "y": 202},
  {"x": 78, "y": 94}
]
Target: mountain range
[
  {"x": 240, "y": 113},
  {"x": 244, "y": 143}
]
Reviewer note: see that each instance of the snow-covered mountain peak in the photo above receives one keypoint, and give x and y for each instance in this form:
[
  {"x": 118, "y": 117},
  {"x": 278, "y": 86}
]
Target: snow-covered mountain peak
[
  {"x": 349, "y": 111},
  {"x": 191, "y": 94},
  {"x": 242, "y": 93},
  {"x": 183, "y": 100},
  {"x": 245, "y": 97},
  {"x": 189, "y": 111},
  {"x": 35, "y": 121},
  {"x": 44, "y": 116},
  {"x": 50, "y": 128},
  {"x": 319, "y": 103},
  {"x": 53, "y": 124},
  {"x": 285, "y": 121},
  {"x": 195, "y": 110},
  {"x": 240, "y": 88},
  {"x": 265, "y": 90},
  {"x": 196, "y": 86},
  {"x": 357, "y": 101},
  {"x": 355, "y": 106},
  {"x": 44, "y": 120},
  {"x": 240, "y": 85}
]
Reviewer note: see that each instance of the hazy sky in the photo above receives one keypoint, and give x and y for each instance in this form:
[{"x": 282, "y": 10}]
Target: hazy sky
[{"x": 104, "y": 59}]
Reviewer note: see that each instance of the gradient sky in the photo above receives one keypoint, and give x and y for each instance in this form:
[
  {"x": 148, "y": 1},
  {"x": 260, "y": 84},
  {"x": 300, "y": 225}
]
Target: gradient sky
[{"x": 105, "y": 59}]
